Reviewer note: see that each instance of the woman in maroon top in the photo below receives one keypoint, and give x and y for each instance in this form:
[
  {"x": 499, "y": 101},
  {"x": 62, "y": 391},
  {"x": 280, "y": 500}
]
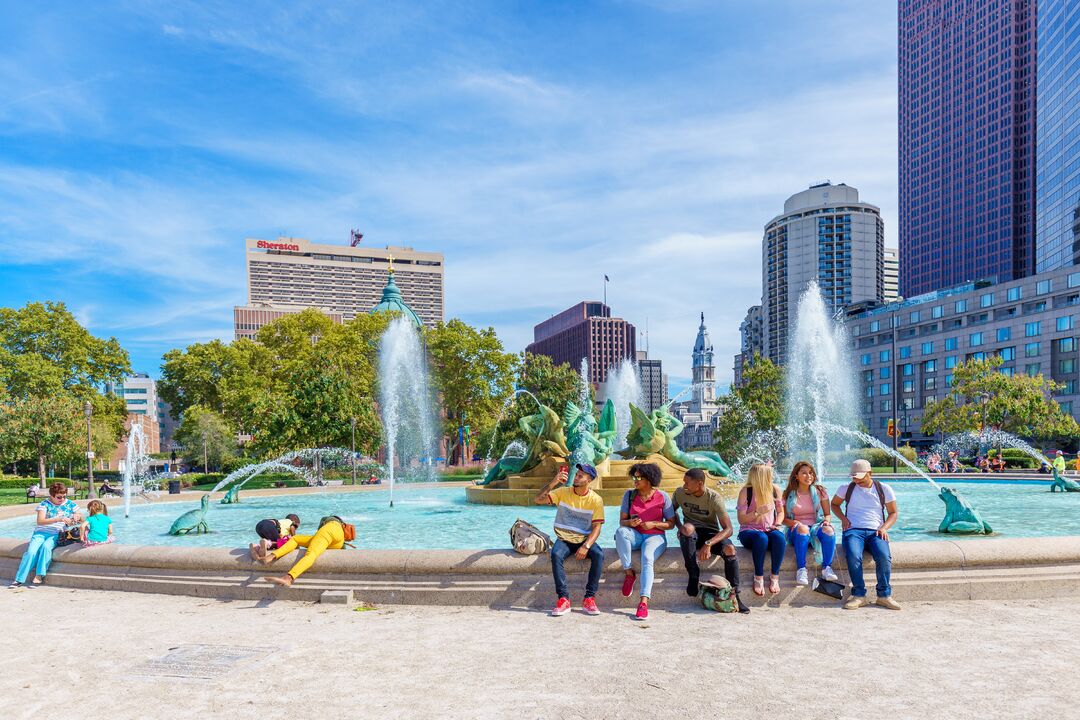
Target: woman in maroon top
[{"x": 646, "y": 513}]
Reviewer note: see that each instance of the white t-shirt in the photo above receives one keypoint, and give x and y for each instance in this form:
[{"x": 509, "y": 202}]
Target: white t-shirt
[{"x": 865, "y": 511}]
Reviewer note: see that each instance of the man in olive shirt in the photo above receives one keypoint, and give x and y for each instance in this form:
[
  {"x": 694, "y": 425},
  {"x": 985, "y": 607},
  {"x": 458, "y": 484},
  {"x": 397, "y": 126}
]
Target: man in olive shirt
[{"x": 703, "y": 526}]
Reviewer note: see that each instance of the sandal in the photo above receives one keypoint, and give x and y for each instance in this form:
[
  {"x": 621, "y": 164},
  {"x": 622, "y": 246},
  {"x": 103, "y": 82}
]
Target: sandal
[
  {"x": 759, "y": 586},
  {"x": 774, "y": 585}
]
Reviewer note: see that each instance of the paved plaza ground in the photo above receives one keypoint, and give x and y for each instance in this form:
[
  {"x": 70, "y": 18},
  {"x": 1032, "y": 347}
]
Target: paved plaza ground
[{"x": 71, "y": 653}]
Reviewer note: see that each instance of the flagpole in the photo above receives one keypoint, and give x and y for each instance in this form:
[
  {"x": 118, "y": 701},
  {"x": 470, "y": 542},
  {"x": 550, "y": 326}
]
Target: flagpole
[{"x": 605, "y": 289}]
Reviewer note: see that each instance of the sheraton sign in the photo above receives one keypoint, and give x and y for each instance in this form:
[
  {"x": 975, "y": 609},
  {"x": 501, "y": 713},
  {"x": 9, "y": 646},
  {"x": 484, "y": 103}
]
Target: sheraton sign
[{"x": 264, "y": 245}]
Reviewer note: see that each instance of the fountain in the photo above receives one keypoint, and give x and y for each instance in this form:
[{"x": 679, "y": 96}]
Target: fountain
[
  {"x": 495, "y": 430},
  {"x": 993, "y": 437},
  {"x": 405, "y": 399},
  {"x": 623, "y": 388},
  {"x": 136, "y": 463}
]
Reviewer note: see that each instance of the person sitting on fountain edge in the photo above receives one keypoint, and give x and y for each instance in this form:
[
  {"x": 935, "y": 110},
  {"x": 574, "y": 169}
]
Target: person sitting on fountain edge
[
  {"x": 704, "y": 525},
  {"x": 578, "y": 521},
  {"x": 867, "y": 509}
]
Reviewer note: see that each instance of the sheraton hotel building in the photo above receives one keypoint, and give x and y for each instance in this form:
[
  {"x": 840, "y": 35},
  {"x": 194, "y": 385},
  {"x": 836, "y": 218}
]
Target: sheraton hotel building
[{"x": 288, "y": 275}]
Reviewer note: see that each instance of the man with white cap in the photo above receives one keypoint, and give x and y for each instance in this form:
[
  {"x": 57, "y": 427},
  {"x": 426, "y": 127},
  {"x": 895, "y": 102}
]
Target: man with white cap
[{"x": 867, "y": 509}]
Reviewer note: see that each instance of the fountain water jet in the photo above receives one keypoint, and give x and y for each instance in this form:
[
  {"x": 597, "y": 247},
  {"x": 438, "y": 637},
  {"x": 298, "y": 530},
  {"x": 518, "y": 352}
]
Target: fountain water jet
[
  {"x": 136, "y": 463},
  {"x": 405, "y": 398},
  {"x": 623, "y": 387}
]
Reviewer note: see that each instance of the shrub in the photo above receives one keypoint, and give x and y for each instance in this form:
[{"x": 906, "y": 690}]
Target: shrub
[
  {"x": 880, "y": 458},
  {"x": 1015, "y": 458}
]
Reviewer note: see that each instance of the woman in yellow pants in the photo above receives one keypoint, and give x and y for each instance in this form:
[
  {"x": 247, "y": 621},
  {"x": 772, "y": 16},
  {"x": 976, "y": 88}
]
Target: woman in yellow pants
[{"x": 330, "y": 536}]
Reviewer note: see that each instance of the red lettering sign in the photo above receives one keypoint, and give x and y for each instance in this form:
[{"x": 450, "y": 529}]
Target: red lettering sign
[{"x": 263, "y": 245}]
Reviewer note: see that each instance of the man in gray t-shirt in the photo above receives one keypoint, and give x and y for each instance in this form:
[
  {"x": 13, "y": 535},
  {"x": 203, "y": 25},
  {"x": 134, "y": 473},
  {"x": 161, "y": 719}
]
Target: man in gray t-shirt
[{"x": 867, "y": 509}]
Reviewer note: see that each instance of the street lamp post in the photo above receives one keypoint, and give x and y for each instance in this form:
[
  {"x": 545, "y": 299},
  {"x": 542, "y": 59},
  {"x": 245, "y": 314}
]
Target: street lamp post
[
  {"x": 894, "y": 376},
  {"x": 88, "y": 411},
  {"x": 352, "y": 447}
]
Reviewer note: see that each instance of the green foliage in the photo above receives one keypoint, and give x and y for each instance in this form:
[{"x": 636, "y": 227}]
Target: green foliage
[
  {"x": 879, "y": 458},
  {"x": 205, "y": 438},
  {"x": 758, "y": 405},
  {"x": 472, "y": 373},
  {"x": 1015, "y": 458},
  {"x": 1020, "y": 404},
  {"x": 553, "y": 385}
]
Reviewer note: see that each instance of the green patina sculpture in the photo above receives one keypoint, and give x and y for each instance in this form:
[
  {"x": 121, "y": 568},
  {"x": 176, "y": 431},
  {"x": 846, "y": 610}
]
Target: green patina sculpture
[
  {"x": 656, "y": 433},
  {"x": 1063, "y": 484},
  {"x": 588, "y": 441},
  {"x": 545, "y": 436},
  {"x": 232, "y": 496},
  {"x": 192, "y": 520},
  {"x": 960, "y": 517}
]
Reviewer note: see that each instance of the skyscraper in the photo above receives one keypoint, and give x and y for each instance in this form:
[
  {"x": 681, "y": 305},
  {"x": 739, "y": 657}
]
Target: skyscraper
[
  {"x": 750, "y": 341},
  {"x": 892, "y": 275},
  {"x": 967, "y": 141},
  {"x": 587, "y": 331},
  {"x": 825, "y": 234},
  {"x": 1057, "y": 187}
]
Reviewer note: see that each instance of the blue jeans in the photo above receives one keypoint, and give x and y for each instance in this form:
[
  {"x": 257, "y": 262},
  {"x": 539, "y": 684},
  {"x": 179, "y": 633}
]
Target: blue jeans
[
  {"x": 801, "y": 543},
  {"x": 38, "y": 555},
  {"x": 758, "y": 542},
  {"x": 562, "y": 550},
  {"x": 627, "y": 540},
  {"x": 856, "y": 542}
]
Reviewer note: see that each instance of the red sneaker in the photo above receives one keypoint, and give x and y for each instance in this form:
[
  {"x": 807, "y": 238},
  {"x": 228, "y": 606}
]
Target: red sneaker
[
  {"x": 589, "y": 606},
  {"x": 561, "y": 608},
  {"x": 642, "y": 611},
  {"x": 628, "y": 583}
]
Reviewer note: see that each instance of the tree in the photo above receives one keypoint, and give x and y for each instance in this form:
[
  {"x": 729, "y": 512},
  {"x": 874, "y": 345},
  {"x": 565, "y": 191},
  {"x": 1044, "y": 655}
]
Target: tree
[
  {"x": 755, "y": 406},
  {"x": 44, "y": 428},
  {"x": 473, "y": 376},
  {"x": 983, "y": 396},
  {"x": 553, "y": 385},
  {"x": 205, "y": 438}
]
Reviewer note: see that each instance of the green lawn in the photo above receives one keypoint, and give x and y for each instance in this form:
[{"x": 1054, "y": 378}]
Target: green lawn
[{"x": 13, "y": 496}]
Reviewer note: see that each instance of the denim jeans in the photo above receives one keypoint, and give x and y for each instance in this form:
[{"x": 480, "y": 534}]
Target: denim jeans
[
  {"x": 858, "y": 540},
  {"x": 38, "y": 555},
  {"x": 690, "y": 544},
  {"x": 758, "y": 542},
  {"x": 627, "y": 539},
  {"x": 801, "y": 543},
  {"x": 562, "y": 550}
]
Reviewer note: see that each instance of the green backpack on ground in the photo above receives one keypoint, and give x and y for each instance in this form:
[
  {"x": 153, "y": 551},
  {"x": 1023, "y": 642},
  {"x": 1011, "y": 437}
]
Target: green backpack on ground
[{"x": 717, "y": 594}]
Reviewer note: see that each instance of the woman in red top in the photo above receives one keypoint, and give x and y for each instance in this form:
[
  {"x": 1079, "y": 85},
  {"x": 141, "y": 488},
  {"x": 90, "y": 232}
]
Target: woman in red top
[{"x": 646, "y": 513}]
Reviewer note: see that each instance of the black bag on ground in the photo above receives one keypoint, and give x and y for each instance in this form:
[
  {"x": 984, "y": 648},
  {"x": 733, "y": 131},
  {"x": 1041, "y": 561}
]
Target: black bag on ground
[
  {"x": 828, "y": 587},
  {"x": 69, "y": 536}
]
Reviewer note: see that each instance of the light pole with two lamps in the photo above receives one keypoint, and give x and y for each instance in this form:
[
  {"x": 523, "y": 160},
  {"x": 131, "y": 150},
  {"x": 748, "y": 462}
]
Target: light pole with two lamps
[{"x": 88, "y": 411}]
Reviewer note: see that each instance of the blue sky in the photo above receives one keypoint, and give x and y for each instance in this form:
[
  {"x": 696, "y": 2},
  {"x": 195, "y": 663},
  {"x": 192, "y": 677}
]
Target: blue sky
[{"x": 538, "y": 145}]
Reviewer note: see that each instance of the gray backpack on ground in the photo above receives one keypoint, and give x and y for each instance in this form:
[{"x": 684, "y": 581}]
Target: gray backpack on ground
[{"x": 527, "y": 539}]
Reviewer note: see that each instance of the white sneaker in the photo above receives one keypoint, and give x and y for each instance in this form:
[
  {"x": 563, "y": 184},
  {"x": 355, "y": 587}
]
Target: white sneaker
[
  {"x": 801, "y": 578},
  {"x": 828, "y": 574}
]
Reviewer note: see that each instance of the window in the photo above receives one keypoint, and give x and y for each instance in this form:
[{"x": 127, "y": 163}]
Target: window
[
  {"x": 937, "y": 311},
  {"x": 975, "y": 339},
  {"x": 1067, "y": 345},
  {"x": 948, "y": 381},
  {"x": 1009, "y": 371},
  {"x": 1004, "y": 334},
  {"x": 865, "y": 359},
  {"x": 1066, "y": 407},
  {"x": 884, "y": 356},
  {"x": 907, "y": 403},
  {"x": 1013, "y": 294},
  {"x": 869, "y": 391},
  {"x": 1032, "y": 349},
  {"x": 1074, "y": 279},
  {"x": 950, "y": 362},
  {"x": 960, "y": 306},
  {"x": 1033, "y": 369},
  {"x": 1069, "y": 388},
  {"x": 885, "y": 389},
  {"x": 868, "y": 376},
  {"x": 886, "y": 406},
  {"x": 908, "y": 369},
  {"x": 930, "y": 383},
  {"x": 986, "y": 300},
  {"x": 905, "y": 352},
  {"x": 909, "y": 386},
  {"x": 929, "y": 366},
  {"x": 951, "y": 343},
  {"x": 1007, "y": 354},
  {"x": 1043, "y": 286},
  {"x": 928, "y": 348},
  {"x": 1065, "y": 322},
  {"x": 1033, "y": 329},
  {"x": 875, "y": 326},
  {"x": 914, "y": 317},
  {"x": 884, "y": 373},
  {"x": 1067, "y": 365},
  {"x": 136, "y": 402},
  {"x": 978, "y": 356}
]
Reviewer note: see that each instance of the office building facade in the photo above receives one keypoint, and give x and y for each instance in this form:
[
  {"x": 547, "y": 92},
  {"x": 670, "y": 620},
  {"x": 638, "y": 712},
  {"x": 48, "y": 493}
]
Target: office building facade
[
  {"x": 751, "y": 341},
  {"x": 905, "y": 352},
  {"x": 1057, "y": 152},
  {"x": 288, "y": 275},
  {"x": 654, "y": 389},
  {"x": 825, "y": 234},
  {"x": 967, "y": 81},
  {"x": 891, "y": 276},
  {"x": 586, "y": 331}
]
